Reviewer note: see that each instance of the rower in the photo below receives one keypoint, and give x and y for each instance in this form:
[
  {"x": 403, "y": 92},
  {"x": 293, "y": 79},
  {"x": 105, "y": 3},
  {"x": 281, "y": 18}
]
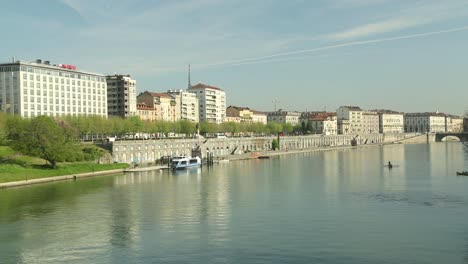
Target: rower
[{"x": 390, "y": 165}]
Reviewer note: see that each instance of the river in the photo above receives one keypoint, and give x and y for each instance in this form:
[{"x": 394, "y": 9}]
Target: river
[{"x": 336, "y": 206}]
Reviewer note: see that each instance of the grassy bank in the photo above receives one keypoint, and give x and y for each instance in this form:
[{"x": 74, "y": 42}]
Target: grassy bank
[{"x": 17, "y": 167}]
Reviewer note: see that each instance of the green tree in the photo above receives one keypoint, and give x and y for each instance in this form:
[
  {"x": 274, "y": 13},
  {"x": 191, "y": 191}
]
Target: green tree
[
  {"x": 275, "y": 144},
  {"x": 42, "y": 137},
  {"x": 274, "y": 128},
  {"x": 310, "y": 129},
  {"x": 288, "y": 128},
  {"x": 3, "y": 127},
  {"x": 187, "y": 127},
  {"x": 206, "y": 127}
]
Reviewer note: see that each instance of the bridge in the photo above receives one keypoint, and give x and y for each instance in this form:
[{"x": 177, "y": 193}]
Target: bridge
[{"x": 463, "y": 136}]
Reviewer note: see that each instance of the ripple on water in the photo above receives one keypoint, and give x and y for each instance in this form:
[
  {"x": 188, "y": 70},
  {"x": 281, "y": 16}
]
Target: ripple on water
[{"x": 418, "y": 199}]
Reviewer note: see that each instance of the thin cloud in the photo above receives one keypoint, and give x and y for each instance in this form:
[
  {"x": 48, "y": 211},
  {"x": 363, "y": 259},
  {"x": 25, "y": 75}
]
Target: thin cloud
[
  {"x": 342, "y": 45},
  {"x": 378, "y": 28}
]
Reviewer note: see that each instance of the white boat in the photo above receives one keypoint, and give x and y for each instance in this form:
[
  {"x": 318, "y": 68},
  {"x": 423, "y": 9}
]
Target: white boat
[{"x": 185, "y": 162}]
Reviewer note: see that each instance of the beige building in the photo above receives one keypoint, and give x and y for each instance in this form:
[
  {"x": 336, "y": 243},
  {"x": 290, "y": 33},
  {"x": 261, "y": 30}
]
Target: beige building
[
  {"x": 146, "y": 112},
  {"x": 211, "y": 101},
  {"x": 391, "y": 121},
  {"x": 121, "y": 95},
  {"x": 186, "y": 105},
  {"x": 354, "y": 115},
  {"x": 370, "y": 122},
  {"x": 244, "y": 115},
  {"x": 31, "y": 89},
  {"x": 284, "y": 117},
  {"x": 456, "y": 124},
  {"x": 425, "y": 122},
  {"x": 164, "y": 105}
]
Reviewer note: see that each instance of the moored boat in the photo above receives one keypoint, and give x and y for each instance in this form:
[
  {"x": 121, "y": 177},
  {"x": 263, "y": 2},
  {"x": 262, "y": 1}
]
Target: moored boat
[
  {"x": 463, "y": 173},
  {"x": 185, "y": 162}
]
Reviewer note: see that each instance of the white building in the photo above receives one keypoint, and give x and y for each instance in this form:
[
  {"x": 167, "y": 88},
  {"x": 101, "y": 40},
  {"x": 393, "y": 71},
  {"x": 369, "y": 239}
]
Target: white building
[
  {"x": 425, "y": 122},
  {"x": 354, "y": 115},
  {"x": 391, "y": 122},
  {"x": 370, "y": 122},
  {"x": 121, "y": 95},
  {"x": 284, "y": 117},
  {"x": 212, "y": 102},
  {"x": 38, "y": 88},
  {"x": 259, "y": 117},
  {"x": 325, "y": 124},
  {"x": 186, "y": 105}
]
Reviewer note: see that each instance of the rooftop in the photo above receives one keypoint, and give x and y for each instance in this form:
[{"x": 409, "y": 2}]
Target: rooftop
[{"x": 204, "y": 86}]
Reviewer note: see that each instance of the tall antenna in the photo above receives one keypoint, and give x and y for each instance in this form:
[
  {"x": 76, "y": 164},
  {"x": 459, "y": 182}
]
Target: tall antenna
[
  {"x": 275, "y": 102},
  {"x": 189, "y": 81}
]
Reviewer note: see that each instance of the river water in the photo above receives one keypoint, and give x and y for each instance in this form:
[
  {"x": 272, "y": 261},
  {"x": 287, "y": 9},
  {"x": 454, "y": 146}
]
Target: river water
[{"x": 337, "y": 206}]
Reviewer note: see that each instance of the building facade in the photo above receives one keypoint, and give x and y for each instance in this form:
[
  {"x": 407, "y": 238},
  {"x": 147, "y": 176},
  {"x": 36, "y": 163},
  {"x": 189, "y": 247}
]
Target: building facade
[
  {"x": 370, "y": 122},
  {"x": 354, "y": 115},
  {"x": 343, "y": 127},
  {"x": 425, "y": 122},
  {"x": 163, "y": 104},
  {"x": 391, "y": 122},
  {"x": 121, "y": 95},
  {"x": 211, "y": 101},
  {"x": 146, "y": 112},
  {"x": 324, "y": 124},
  {"x": 284, "y": 117},
  {"x": 259, "y": 117},
  {"x": 457, "y": 124},
  {"x": 186, "y": 105},
  {"x": 38, "y": 88}
]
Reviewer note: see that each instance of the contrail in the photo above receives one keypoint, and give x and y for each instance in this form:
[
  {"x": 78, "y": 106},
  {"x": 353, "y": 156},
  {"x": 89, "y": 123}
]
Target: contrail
[{"x": 342, "y": 45}]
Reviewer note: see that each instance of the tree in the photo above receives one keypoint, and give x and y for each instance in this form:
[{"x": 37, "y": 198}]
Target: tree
[
  {"x": 42, "y": 137},
  {"x": 3, "y": 127},
  {"x": 274, "y": 128},
  {"x": 310, "y": 129},
  {"x": 187, "y": 127},
  {"x": 275, "y": 144},
  {"x": 288, "y": 128}
]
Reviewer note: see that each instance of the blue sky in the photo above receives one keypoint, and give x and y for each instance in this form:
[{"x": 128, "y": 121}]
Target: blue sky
[{"x": 307, "y": 54}]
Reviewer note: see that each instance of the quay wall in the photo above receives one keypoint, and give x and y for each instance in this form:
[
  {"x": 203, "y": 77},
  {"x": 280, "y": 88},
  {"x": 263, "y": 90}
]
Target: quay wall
[{"x": 148, "y": 151}]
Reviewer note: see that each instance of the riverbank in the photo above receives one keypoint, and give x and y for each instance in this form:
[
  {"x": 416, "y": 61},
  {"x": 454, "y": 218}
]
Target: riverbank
[
  {"x": 59, "y": 178},
  {"x": 106, "y": 169}
]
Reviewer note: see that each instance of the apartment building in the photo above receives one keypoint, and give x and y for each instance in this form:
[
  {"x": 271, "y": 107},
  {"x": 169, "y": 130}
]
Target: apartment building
[
  {"x": 425, "y": 122},
  {"x": 38, "y": 88},
  {"x": 284, "y": 117},
  {"x": 186, "y": 105},
  {"x": 211, "y": 101},
  {"x": 370, "y": 122},
  {"x": 324, "y": 123},
  {"x": 354, "y": 116},
  {"x": 454, "y": 124},
  {"x": 121, "y": 95},
  {"x": 146, "y": 112},
  {"x": 391, "y": 121},
  {"x": 163, "y": 104}
]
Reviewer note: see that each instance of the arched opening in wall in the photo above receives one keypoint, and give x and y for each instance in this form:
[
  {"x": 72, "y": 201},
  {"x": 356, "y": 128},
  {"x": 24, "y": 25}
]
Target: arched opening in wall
[{"x": 450, "y": 138}]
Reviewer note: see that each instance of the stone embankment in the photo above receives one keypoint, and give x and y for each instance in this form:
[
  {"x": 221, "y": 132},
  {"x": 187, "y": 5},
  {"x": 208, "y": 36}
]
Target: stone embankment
[{"x": 149, "y": 151}]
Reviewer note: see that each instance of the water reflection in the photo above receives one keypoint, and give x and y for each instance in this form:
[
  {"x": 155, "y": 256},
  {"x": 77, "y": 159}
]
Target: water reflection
[{"x": 313, "y": 207}]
